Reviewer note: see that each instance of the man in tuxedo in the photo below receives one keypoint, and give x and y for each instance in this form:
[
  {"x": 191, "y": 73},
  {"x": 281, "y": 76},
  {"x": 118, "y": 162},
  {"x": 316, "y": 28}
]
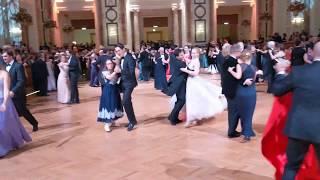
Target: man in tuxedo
[
  {"x": 128, "y": 82},
  {"x": 40, "y": 75},
  {"x": 177, "y": 85},
  {"x": 229, "y": 89},
  {"x": 17, "y": 87},
  {"x": 74, "y": 74},
  {"x": 303, "y": 123},
  {"x": 297, "y": 54}
]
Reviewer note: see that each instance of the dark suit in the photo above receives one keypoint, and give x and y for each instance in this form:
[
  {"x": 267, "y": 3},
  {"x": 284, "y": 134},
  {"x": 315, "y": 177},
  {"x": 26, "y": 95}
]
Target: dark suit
[
  {"x": 19, "y": 99},
  {"x": 74, "y": 74},
  {"x": 297, "y": 56},
  {"x": 229, "y": 89},
  {"x": 177, "y": 85},
  {"x": 303, "y": 123},
  {"x": 128, "y": 83},
  {"x": 40, "y": 77},
  {"x": 146, "y": 64}
]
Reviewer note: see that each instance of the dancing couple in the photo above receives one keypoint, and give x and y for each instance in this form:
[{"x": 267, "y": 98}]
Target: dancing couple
[
  {"x": 201, "y": 98},
  {"x": 123, "y": 69}
]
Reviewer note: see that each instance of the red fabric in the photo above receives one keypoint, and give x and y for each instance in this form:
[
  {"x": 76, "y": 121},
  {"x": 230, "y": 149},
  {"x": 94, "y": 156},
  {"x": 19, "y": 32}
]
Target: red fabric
[{"x": 274, "y": 142}]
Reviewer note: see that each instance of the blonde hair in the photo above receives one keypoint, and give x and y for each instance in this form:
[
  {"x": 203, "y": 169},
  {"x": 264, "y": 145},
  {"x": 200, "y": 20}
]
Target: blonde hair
[
  {"x": 245, "y": 55},
  {"x": 226, "y": 50}
]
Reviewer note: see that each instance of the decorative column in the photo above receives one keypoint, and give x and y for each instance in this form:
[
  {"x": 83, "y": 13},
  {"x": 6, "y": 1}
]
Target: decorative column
[
  {"x": 57, "y": 31},
  {"x": 314, "y": 21},
  {"x": 136, "y": 29},
  {"x": 97, "y": 22},
  {"x": 184, "y": 31},
  {"x": 129, "y": 41},
  {"x": 254, "y": 19},
  {"x": 214, "y": 19},
  {"x": 176, "y": 26},
  {"x": 34, "y": 32}
]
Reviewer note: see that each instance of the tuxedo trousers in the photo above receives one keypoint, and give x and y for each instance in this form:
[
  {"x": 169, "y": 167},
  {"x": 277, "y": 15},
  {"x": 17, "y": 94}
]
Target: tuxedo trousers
[
  {"x": 21, "y": 107},
  {"x": 296, "y": 152},
  {"x": 127, "y": 104},
  {"x": 233, "y": 116},
  {"x": 181, "y": 100}
]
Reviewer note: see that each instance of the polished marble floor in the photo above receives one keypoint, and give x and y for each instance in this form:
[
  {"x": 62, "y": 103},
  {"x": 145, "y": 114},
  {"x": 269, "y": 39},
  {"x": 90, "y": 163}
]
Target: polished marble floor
[{"x": 71, "y": 145}]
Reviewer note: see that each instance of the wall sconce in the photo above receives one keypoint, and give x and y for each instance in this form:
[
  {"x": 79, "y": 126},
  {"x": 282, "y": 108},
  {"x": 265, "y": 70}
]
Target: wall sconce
[{"x": 297, "y": 20}]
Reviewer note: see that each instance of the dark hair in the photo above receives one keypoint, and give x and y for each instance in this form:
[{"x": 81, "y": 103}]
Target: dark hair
[
  {"x": 104, "y": 50},
  {"x": 177, "y": 52},
  {"x": 297, "y": 42},
  {"x": 9, "y": 52},
  {"x": 119, "y": 45}
]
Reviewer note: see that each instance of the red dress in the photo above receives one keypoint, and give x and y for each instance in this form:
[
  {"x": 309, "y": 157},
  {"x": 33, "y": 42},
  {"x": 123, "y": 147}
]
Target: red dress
[{"x": 274, "y": 142}]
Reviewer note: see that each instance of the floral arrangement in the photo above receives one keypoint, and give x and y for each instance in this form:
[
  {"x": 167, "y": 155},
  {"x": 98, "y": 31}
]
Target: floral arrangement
[
  {"x": 245, "y": 23},
  {"x": 265, "y": 16},
  {"x": 50, "y": 24},
  {"x": 22, "y": 17},
  {"x": 67, "y": 28},
  {"x": 296, "y": 7}
]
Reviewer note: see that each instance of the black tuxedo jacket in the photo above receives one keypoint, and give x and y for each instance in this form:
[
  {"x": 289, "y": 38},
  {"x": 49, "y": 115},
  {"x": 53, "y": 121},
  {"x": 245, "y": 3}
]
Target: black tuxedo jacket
[
  {"x": 18, "y": 79},
  {"x": 304, "y": 117},
  {"x": 39, "y": 70},
  {"x": 128, "y": 73},
  {"x": 229, "y": 83},
  {"x": 178, "y": 77},
  {"x": 74, "y": 68}
]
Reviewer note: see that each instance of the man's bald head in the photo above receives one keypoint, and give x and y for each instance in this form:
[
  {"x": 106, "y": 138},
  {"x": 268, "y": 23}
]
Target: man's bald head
[{"x": 316, "y": 50}]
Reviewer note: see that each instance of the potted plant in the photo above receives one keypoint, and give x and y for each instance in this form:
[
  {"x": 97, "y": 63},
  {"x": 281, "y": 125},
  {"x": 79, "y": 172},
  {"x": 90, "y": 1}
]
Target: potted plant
[
  {"x": 245, "y": 23},
  {"x": 265, "y": 16},
  {"x": 296, "y": 7},
  {"x": 67, "y": 28},
  {"x": 49, "y": 24}
]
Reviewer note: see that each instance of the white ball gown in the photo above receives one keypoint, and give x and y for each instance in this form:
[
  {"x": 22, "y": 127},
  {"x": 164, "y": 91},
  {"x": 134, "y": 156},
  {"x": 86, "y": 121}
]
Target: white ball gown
[
  {"x": 203, "y": 98},
  {"x": 51, "y": 78}
]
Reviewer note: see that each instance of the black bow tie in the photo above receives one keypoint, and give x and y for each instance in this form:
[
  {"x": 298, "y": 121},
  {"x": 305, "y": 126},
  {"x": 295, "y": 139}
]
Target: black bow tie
[{"x": 9, "y": 65}]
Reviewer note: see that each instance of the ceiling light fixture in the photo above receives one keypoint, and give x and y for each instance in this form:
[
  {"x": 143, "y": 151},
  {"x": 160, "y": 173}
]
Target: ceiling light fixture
[
  {"x": 220, "y": 2},
  {"x": 88, "y": 0},
  {"x": 87, "y": 7},
  {"x": 84, "y": 28},
  {"x": 226, "y": 23},
  {"x": 59, "y": 1},
  {"x": 155, "y": 26}
]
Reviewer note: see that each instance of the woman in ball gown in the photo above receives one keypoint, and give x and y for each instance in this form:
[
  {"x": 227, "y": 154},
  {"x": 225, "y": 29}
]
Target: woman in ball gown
[
  {"x": 64, "y": 92},
  {"x": 110, "y": 108},
  {"x": 12, "y": 133},
  {"x": 51, "y": 77},
  {"x": 246, "y": 95},
  {"x": 203, "y": 98}
]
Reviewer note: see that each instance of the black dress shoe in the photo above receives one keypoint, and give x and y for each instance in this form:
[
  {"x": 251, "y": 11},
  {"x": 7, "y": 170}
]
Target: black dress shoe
[
  {"x": 234, "y": 135},
  {"x": 131, "y": 126},
  {"x": 35, "y": 128},
  {"x": 173, "y": 123}
]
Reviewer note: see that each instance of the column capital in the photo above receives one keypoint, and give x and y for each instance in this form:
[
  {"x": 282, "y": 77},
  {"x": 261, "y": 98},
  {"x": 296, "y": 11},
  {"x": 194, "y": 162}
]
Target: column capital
[
  {"x": 135, "y": 8},
  {"x": 175, "y": 7}
]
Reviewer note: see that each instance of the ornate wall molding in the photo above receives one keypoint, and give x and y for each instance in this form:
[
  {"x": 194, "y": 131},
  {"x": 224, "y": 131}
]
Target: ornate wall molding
[
  {"x": 112, "y": 21},
  {"x": 200, "y": 20}
]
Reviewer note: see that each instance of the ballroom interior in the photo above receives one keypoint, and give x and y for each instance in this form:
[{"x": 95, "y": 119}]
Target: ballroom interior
[
  {"x": 103, "y": 22},
  {"x": 72, "y": 145}
]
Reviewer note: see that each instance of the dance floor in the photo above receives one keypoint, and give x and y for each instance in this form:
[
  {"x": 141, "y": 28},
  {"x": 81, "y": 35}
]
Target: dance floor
[{"x": 72, "y": 145}]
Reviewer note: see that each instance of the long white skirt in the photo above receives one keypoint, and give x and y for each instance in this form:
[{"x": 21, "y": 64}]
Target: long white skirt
[{"x": 203, "y": 99}]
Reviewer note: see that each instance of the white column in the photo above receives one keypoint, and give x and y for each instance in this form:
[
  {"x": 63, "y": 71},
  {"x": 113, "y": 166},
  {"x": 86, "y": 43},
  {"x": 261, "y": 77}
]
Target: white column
[
  {"x": 314, "y": 18},
  {"x": 183, "y": 22},
  {"x": 57, "y": 31},
  {"x": 176, "y": 26},
  {"x": 254, "y": 23},
  {"x": 214, "y": 24},
  {"x": 33, "y": 32},
  {"x": 136, "y": 28},
  {"x": 97, "y": 22},
  {"x": 128, "y": 24}
]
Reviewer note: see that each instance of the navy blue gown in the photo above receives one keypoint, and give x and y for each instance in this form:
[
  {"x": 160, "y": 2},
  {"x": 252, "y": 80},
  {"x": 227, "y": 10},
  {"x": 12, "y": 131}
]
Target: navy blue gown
[
  {"x": 160, "y": 81},
  {"x": 246, "y": 100},
  {"x": 110, "y": 108}
]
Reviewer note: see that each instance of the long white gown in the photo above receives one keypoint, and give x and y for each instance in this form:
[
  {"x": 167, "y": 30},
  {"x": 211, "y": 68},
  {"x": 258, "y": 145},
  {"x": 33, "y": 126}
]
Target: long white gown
[
  {"x": 203, "y": 98},
  {"x": 51, "y": 79},
  {"x": 63, "y": 92}
]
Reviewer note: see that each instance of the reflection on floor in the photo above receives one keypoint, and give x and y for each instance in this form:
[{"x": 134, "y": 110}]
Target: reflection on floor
[{"x": 72, "y": 145}]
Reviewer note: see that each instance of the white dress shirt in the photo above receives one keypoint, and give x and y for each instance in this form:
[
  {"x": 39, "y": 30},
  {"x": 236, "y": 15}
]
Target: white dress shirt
[{"x": 8, "y": 67}]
